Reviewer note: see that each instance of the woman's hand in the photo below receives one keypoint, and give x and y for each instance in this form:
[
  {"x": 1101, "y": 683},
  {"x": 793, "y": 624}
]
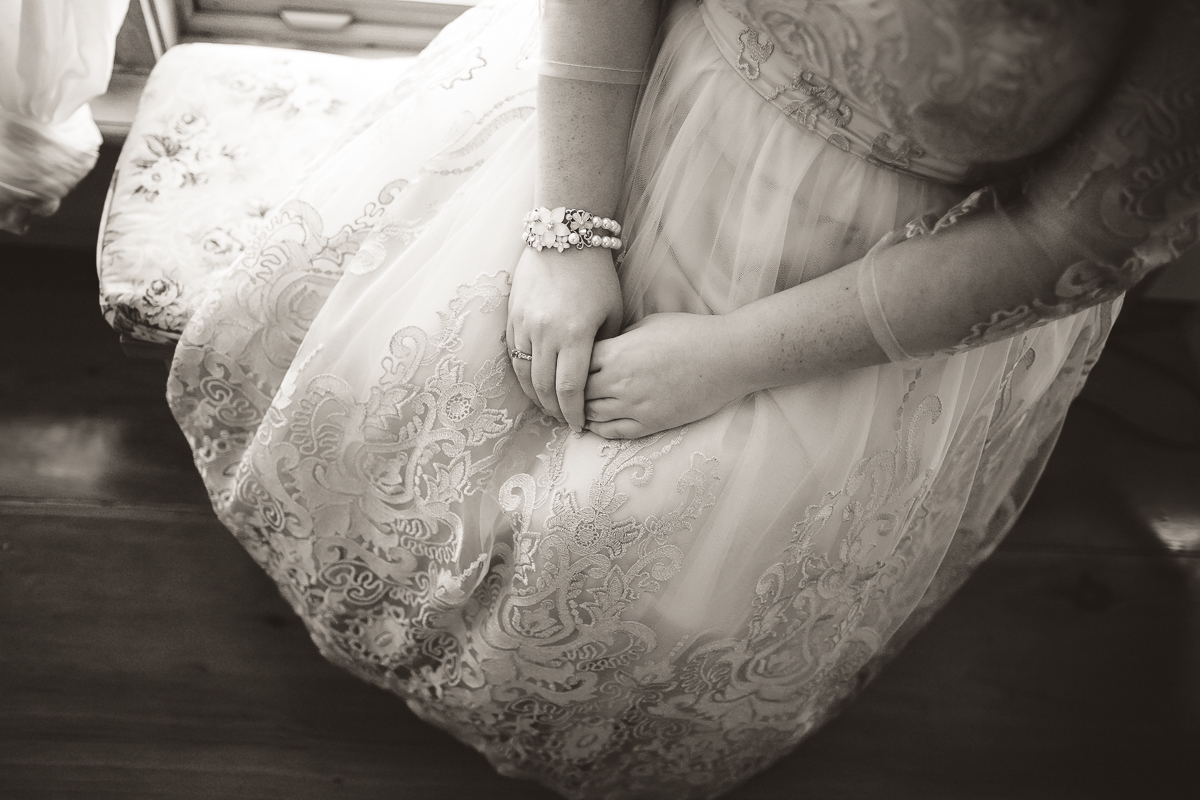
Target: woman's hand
[
  {"x": 559, "y": 305},
  {"x": 665, "y": 371}
]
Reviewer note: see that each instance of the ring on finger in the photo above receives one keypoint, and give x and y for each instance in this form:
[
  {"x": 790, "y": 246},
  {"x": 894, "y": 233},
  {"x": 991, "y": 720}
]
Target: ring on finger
[{"x": 514, "y": 353}]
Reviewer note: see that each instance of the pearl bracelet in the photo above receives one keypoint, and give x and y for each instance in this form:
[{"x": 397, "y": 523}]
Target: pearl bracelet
[{"x": 563, "y": 227}]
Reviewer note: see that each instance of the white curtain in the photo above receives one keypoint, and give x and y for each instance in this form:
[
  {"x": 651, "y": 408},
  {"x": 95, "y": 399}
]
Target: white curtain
[{"x": 55, "y": 55}]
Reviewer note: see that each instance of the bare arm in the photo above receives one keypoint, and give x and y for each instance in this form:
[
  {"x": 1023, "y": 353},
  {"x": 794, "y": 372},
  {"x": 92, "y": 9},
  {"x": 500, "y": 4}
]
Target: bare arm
[{"x": 583, "y": 124}]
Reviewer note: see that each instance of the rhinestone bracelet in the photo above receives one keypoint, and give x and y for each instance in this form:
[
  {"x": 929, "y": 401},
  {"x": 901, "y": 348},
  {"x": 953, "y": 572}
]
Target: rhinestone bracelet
[{"x": 562, "y": 227}]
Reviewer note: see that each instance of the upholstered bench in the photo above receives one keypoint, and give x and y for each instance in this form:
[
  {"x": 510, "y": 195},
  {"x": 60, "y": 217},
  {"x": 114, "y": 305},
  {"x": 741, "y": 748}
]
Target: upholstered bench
[{"x": 221, "y": 135}]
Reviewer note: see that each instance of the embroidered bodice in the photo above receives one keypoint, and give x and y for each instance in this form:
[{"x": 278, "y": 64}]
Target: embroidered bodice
[{"x": 945, "y": 89}]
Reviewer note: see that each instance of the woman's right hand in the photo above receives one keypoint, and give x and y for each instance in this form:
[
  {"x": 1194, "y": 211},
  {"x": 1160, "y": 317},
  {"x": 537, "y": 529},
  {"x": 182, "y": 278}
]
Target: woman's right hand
[{"x": 560, "y": 303}]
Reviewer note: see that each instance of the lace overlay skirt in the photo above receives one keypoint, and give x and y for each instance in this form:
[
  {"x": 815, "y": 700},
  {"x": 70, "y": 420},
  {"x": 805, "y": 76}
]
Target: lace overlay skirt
[{"x": 660, "y": 617}]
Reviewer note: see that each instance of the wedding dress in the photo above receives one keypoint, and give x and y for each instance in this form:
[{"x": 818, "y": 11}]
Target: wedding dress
[{"x": 660, "y": 617}]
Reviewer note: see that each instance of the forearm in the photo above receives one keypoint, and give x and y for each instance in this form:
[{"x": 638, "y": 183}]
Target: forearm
[
  {"x": 583, "y": 130},
  {"x": 808, "y": 332},
  {"x": 583, "y": 123},
  {"x": 1119, "y": 199},
  {"x": 939, "y": 294},
  {"x": 593, "y": 58}
]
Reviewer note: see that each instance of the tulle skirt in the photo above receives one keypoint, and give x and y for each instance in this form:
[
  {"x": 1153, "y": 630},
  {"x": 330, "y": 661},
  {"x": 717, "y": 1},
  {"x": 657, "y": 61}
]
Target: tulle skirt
[{"x": 659, "y": 617}]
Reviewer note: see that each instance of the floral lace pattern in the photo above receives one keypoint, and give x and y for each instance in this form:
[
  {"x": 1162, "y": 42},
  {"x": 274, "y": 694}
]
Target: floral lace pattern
[
  {"x": 659, "y": 617},
  {"x": 934, "y": 88}
]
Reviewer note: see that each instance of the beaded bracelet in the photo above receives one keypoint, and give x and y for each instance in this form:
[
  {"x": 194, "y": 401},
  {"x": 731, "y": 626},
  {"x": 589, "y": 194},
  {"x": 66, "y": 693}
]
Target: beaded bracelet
[{"x": 562, "y": 227}]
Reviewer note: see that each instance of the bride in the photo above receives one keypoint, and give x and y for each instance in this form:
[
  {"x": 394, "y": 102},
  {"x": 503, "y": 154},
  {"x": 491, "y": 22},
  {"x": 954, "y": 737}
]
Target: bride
[{"x": 630, "y": 383}]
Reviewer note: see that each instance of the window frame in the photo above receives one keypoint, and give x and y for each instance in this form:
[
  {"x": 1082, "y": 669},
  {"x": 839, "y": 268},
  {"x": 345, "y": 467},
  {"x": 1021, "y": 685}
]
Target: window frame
[{"x": 378, "y": 27}]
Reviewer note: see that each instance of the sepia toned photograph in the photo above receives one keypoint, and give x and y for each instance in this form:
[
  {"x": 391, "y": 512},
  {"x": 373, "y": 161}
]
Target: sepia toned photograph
[{"x": 599, "y": 399}]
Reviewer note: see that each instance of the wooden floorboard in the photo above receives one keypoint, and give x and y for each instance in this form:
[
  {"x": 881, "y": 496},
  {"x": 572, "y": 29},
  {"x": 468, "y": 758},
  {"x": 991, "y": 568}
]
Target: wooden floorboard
[{"x": 144, "y": 655}]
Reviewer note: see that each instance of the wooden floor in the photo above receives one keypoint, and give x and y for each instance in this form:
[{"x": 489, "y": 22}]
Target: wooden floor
[{"x": 142, "y": 655}]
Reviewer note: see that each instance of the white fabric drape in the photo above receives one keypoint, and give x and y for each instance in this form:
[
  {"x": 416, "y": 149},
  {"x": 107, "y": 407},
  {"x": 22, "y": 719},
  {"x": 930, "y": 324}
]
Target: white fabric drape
[{"x": 55, "y": 55}]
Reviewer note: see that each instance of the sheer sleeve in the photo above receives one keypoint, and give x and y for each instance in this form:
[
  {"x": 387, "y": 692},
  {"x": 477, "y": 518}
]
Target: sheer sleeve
[
  {"x": 1119, "y": 198},
  {"x": 577, "y": 46},
  {"x": 55, "y": 55},
  {"x": 997, "y": 258}
]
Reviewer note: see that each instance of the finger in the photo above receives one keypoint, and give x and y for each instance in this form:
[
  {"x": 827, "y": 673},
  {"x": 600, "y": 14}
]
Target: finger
[
  {"x": 597, "y": 388},
  {"x": 569, "y": 383},
  {"x": 545, "y": 363},
  {"x": 520, "y": 366},
  {"x": 523, "y": 370},
  {"x": 605, "y": 409},
  {"x": 598, "y": 382},
  {"x": 602, "y": 356},
  {"x": 617, "y": 429}
]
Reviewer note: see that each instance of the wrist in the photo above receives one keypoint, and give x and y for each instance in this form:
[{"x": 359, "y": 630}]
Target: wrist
[
  {"x": 564, "y": 228},
  {"x": 589, "y": 259},
  {"x": 761, "y": 356},
  {"x": 733, "y": 357}
]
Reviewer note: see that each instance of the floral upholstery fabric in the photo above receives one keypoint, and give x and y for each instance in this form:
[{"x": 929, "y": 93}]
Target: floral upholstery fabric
[{"x": 222, "y": 134}]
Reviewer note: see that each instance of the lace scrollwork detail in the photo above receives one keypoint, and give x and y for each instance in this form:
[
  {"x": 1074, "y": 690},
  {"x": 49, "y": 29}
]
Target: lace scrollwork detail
[
  {"x": 753, "y": 51},
  {"x": 900, "y": 157},
  {"x": 822, "y": 101}
]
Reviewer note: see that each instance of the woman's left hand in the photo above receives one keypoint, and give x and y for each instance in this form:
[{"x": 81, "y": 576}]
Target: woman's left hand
[{"x": 665, "y": 371}]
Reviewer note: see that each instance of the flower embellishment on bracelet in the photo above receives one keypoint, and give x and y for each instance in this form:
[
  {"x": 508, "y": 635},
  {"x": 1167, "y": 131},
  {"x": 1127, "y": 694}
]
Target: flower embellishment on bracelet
[{"x": 561, "y": 228}]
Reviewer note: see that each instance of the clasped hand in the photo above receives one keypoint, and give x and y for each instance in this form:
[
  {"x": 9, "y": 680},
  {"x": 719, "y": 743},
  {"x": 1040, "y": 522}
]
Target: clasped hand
[{"x": 665, "y": 371}]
